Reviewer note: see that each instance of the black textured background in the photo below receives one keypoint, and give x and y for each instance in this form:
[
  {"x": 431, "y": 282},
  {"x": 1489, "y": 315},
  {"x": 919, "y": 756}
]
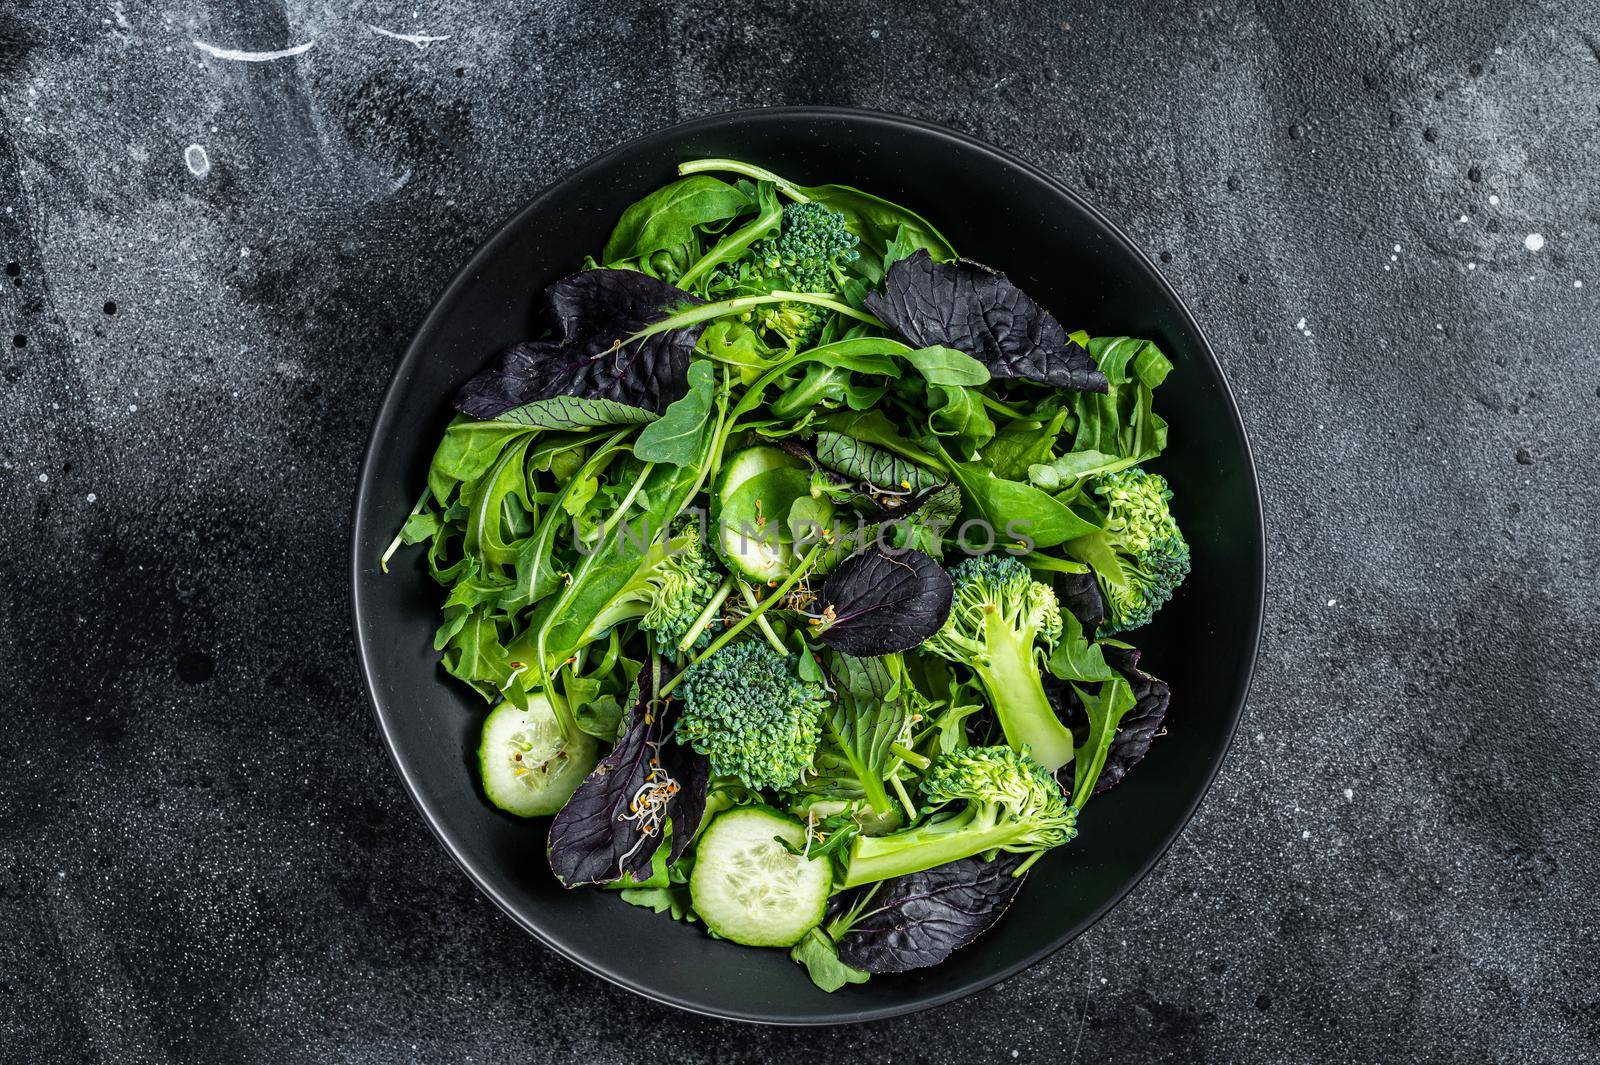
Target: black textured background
[{"x": 204, "y": 855}]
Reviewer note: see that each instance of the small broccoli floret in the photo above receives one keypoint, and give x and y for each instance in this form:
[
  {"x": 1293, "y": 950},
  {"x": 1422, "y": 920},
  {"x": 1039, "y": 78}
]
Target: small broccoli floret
[
  {"x": 747, "y": 710},
  {"x": 666, "y": 593},
  {"x": 1000, "y": 619},
  {"x": 809, "y": 254},
  {"x": 1139, "y": 556},
  {"x": 1011, "y": 804}
]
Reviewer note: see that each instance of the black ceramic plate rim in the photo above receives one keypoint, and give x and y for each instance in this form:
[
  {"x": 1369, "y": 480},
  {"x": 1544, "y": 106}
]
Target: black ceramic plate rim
[{"x": 415, "y": 352}]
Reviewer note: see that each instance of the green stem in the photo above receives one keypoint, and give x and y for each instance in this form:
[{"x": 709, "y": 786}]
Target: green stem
[
  {"x": 761, "y": 622},
  {"x": 910, "y": 757},
  {"x": 394, "y": 545},
  {"x": 749, "y": 619},
  {"x": 705, "y": 616},
  {"x": 704, "y": 312},
  {"x": 755, "y": 173}
]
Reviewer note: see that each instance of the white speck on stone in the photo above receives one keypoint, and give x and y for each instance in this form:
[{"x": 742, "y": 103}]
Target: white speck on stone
[
  {"x": 1386, "y": 266},
  {"x": 1533, "y": 242},
  {"x": 1397, "y": 247},
  {"x": 1306, "y": 834},
  {"x": 90, "y": 497},
  {"x": 1301, "y": 324},
  {"x": 1394, "y": 258},
  {"x": 616, "y": 84},
  {"x": 875, "y": 35},
  {"x": 244, "y": 253},
  {"x": 1439, "y": 326},
  {"x": 1260, "y": 737},
  {"x": 1350, "y": 794},
  {"x": 1577, "y": 284},
  {"x": 1014, "y": 1053},
  {"x": 1463, "y": 218},
  {"x": 1472, "y": 266},
  {"x": 1494, "y": 201},
  {"x": 44, "y": 478},
  {"x": 133, "y": 408},
  {"x": 1333, "y": 602},
  {"x": 196, "y": 159}
]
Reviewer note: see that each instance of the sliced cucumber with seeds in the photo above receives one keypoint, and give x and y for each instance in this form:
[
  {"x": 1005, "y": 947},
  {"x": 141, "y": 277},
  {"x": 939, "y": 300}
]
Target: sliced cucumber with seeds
[
  {"x": 756, "y": 499},
  {"x": 528, "y": 769},
  {"x": 749, "y": 888}
]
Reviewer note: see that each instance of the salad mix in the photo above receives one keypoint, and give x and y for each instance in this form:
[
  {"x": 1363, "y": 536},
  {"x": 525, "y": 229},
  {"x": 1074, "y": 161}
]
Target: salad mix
[{"x": 794, "y": 562}]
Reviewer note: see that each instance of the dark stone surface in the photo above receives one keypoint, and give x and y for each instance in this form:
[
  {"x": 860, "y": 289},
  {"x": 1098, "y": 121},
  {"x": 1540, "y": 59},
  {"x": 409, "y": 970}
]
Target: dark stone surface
[{"x": 204, "y": 856}]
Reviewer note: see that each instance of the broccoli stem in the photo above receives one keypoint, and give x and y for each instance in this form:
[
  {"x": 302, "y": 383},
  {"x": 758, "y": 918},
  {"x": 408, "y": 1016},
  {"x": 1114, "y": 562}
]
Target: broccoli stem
[
  {"x": 705, "y": 616},
  {"x": 875, "y": 858},
  {"x": 745, "y": 622},
  {"x": 1011, "y": 678},
  {"x": 756, "y": 173}
]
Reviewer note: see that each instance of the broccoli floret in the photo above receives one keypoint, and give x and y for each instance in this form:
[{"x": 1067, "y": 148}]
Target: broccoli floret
[
  {"x": 1139, "y": 556},
  {"x": 665, "y": 594},
  {"x": 1011, "y": 804},
  {"x": 811, "y": 249},
  {"x": 809, "y": 254},
  {"x": 747, "y": 710},
  {"x": 1000, "y": 619}
]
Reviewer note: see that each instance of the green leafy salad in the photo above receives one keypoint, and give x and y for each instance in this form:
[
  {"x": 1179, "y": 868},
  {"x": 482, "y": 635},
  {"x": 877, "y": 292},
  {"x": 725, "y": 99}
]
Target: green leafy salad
[{"x": 793, "y": 562}]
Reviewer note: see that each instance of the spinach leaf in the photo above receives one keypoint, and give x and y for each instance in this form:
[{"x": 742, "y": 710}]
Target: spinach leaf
[
  {"x": 575, "y": 412},
  {"x": 672, "y": 216},
  {"x": 1015, "y": 511},
  {"x": 821, "y": 960},
  {"x": 947, "y": 366},
  {"x": 595, "y": 310},
  {"x": 968, "y": 306},
  {"x": 675, "y": 437},
  {"x": 598, "y": 836},
  {"x": 879, "y": 602},
  {"x": 874, "y": 427},
  {"x": 921, "y": 919}
]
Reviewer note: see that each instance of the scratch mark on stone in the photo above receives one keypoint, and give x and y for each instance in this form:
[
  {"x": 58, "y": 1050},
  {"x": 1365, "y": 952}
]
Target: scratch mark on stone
[
  {"x": 421, "y": 40},
  {"x": 252, "y": 57},
  {"x": 1083, "y": 1017}
]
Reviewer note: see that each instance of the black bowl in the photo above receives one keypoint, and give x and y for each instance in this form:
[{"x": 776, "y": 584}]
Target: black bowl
[{"x": 995, "y": 209}]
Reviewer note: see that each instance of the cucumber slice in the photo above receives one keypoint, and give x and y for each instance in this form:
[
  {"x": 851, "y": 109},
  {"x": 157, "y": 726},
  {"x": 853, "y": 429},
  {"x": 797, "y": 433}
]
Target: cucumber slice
[
  {"x": 757, "y": 496},
  {"x": 748, "y": 888},
  {"x": 526, "y": 766}
]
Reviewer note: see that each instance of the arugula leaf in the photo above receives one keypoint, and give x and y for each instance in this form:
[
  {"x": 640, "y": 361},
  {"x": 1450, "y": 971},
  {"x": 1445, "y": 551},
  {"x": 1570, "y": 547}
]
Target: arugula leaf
[
  {"x": 596, "y": 310},
  {"x": 674, "y": 438},
  {"x": 1104, "y": 709},
  {"x": 1116, "y": 429},
  {"x": 672, "y": 216}
]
